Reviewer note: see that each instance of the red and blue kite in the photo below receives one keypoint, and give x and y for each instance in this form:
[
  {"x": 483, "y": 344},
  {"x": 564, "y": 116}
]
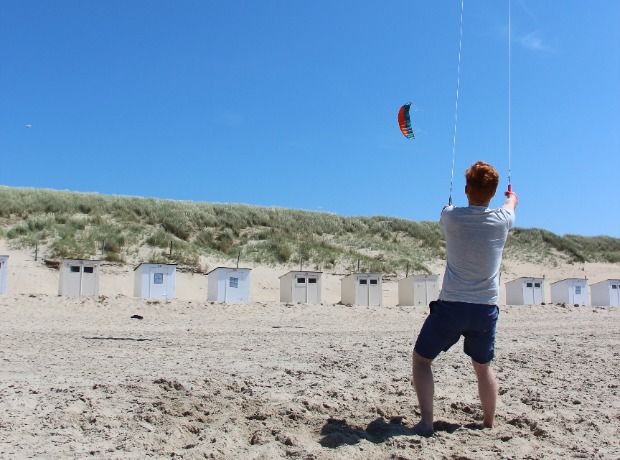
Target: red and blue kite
[{"x": 404, "y": 121}]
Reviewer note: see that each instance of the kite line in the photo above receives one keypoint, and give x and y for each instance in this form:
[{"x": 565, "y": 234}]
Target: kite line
[
  {"x": 509, "y": 101},
  {"x": 456, "y": 104},
  {"x": 404, "y": 117}
]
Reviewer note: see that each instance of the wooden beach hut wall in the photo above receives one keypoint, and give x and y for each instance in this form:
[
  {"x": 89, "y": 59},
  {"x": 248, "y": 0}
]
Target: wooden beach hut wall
[
  {"x": 573, "y": 291},
  {"x": 606, "y": 293},
  {"x": 418, "y": 290},
  {"x": 301, "y": 287},
  {"x": 229, "y": 285},
  {"x": 363, "y": 289},
  {"x": 525, "y": 291},
  {"x": 155, "y": 281},
  {"x": 79, "y": 278},
  {"x": 4, "y": 269}
]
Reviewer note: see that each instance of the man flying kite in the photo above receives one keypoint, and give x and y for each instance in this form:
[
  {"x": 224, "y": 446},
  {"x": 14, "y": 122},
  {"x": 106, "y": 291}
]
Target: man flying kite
[{"x": 475, "y": 237}]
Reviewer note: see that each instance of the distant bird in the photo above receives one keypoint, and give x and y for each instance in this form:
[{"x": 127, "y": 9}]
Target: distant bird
[{"x": 28, "y": 125}]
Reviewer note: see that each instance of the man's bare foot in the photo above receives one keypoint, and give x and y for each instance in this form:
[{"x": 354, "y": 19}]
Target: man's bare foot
[{"x": 423, "y": 429}]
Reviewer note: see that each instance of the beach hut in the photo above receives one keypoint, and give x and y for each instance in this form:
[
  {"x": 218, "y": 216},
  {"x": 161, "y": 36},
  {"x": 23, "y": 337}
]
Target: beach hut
[
  {"x": 155, "y": 281},
  {"x": 301, "y": 287},
  {"x": 79, "y": 278},
  {"x": 364, "y": 289},
  {"x": 571, "y": 291},
  {"x": 606, "y": 292},
  {"x": 418, "y": 290},
  {"x": 525, "y": 291},
  {"x": 3, "y": 273},
  {"x": 230, "y": 285}
]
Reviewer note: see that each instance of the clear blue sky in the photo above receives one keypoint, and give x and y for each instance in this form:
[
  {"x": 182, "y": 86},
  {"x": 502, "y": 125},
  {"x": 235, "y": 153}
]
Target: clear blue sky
[{"x": 294, "y": 103}]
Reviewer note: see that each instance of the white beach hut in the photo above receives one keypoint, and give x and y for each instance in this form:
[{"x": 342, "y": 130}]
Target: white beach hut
[
  {"x": 4, "y": 268},
  {"x": 301, "y": 287},
  {"x": 572, "y": 291},
  {"x": 79, "y": 278},
  {"x": 231, "y": 285},
  {"x": 525, "y": 291},
  {"x": 418, "y": 290},
  {"x": 364, "y": 289},
  {"x": 155, "y": 281},
  {"x": 606, "y": 292}
]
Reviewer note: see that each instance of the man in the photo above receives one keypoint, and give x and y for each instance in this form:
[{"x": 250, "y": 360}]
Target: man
[{"x": 475, "y": 238}]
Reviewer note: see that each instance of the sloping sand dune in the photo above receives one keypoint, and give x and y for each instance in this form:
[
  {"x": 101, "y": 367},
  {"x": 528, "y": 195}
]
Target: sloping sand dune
[{"x": 80, "y": 378}]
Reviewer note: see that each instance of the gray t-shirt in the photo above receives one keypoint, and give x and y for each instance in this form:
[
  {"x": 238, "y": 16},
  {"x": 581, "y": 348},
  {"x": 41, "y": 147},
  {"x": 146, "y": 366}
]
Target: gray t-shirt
[{"x": 475, "y": 238}]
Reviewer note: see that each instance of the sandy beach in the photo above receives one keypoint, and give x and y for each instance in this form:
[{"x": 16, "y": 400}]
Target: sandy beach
[
  {"x": 80, "y": 378},
  {"x": 192, "y": 379}
]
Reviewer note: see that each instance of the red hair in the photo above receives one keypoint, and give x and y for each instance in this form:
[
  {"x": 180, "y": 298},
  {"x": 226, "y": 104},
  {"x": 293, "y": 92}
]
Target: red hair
[{"x": 482, "y": 180}]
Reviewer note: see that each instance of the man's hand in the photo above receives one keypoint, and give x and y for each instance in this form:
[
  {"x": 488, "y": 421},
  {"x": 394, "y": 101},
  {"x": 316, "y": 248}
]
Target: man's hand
[{"x": 511, "y": 200}]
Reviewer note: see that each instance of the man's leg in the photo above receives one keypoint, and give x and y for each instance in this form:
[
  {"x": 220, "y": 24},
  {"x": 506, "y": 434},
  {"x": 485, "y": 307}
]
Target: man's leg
[
  {"x": 487, "y": 389},
  {"x": 424, "y": 388}
]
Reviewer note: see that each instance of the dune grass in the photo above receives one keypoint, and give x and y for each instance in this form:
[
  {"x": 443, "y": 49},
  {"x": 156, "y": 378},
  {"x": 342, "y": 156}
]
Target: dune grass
[{"x": 118, "y": 228}]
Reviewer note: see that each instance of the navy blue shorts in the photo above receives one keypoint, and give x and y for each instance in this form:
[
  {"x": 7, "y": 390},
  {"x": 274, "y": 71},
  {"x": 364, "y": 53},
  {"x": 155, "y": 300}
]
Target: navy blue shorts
[{"x": 448, "y": 321}]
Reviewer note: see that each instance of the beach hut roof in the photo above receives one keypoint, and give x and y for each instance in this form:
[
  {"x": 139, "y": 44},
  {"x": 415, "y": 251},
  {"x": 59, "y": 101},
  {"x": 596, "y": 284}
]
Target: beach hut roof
[
  {"x": 364, "y": 273},
  {"x": 228, "y": 268},
  {"x": 82, "y": 260},
  {"x": 613, "y": 280},
  {"x": 526, "y": 278},
  {"x": 570, "y": 279},
  {"x": 299, "y": 271},
  {"x": 150, "y": 263}
]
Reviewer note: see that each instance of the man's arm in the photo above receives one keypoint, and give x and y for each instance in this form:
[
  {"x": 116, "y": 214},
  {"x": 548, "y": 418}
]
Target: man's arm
[{"x": 511, "y": 201}]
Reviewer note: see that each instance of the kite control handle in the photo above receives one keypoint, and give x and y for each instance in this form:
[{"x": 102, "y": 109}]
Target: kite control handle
[{"x": 509, "y": 193}]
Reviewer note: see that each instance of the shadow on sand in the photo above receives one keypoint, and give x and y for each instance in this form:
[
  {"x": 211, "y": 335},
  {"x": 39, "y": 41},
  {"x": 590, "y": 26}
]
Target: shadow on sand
[{"x": 336, "y": 433}]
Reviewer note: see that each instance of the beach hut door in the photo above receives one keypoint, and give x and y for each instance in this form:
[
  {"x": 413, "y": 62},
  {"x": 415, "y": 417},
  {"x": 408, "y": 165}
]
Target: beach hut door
[
  {"x": 236, "y": 287},
  {"x": 537, "y": 293},
  {"x": 361, "y": 292},
  {"x": 300, "y": 294},
  {"x": 89, "y": 281},
  {"x": 614, "y": 295},
  {"x": 532, "y": 293},
  {"x": 374, "y": 293},
  {"x": 313, "y": 290},
  {"x": 158, "y": 282},
  {"x": 419, "y": 293},
  {"x": 74, "y": 281},
  {"x": 2, "y": 278},
  {"x": 577, "y": 294}
]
